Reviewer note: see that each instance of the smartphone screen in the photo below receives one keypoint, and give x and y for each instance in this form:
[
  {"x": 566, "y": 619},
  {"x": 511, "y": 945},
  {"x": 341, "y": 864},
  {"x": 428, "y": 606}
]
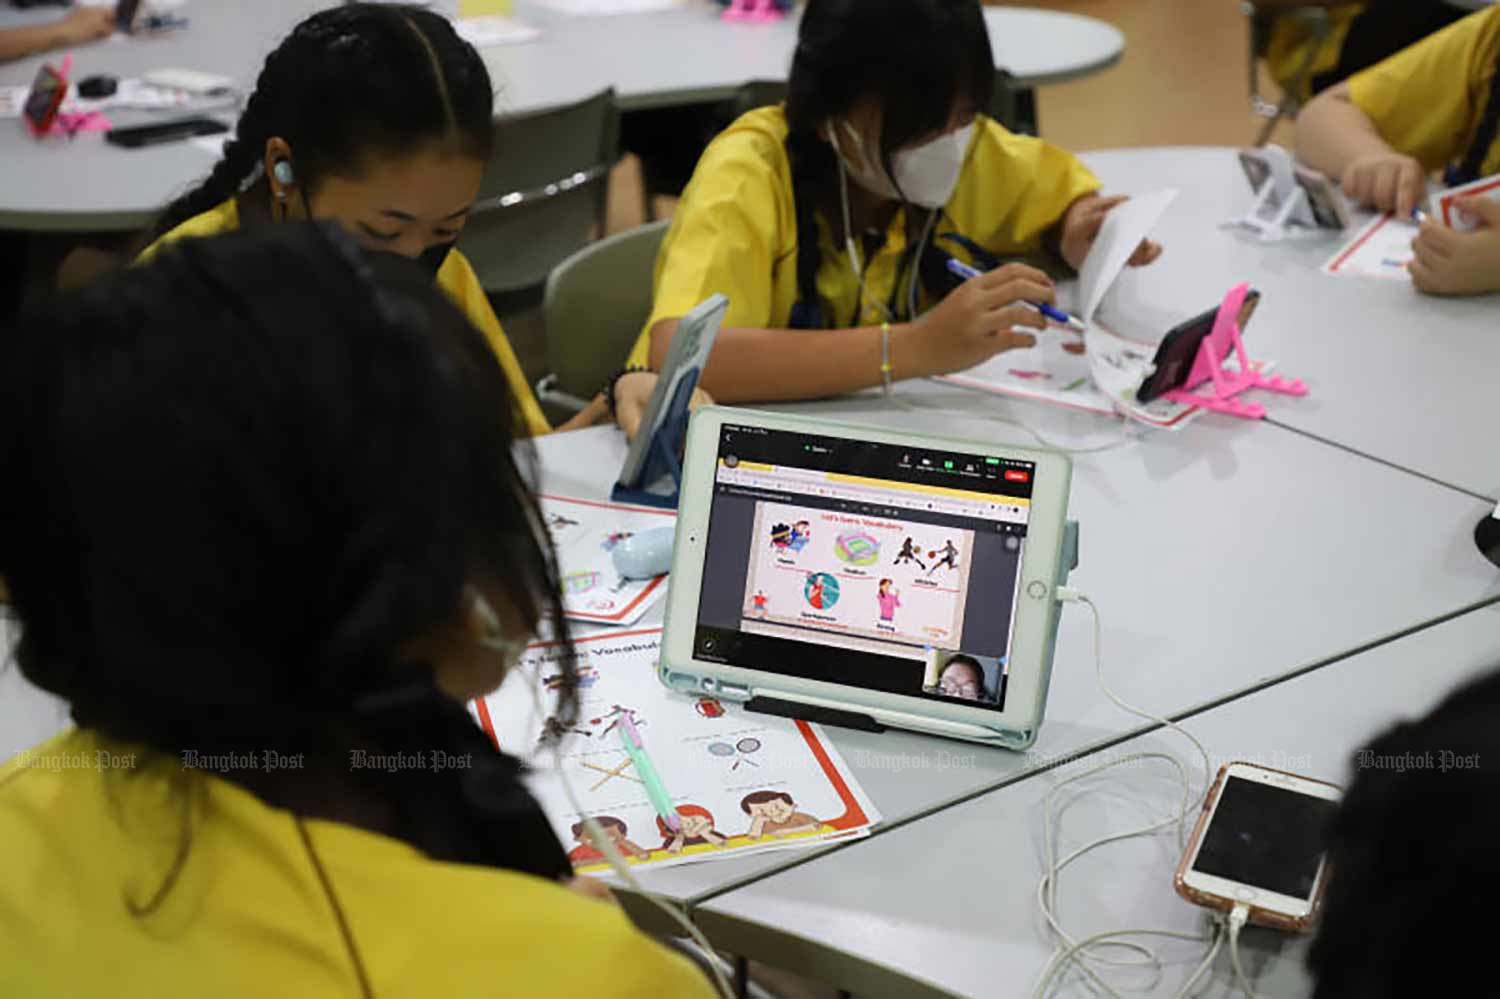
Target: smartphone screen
[
  {"x": 1267, "y": 837},
  {"x": 125, "y": 12},
  {"x": 47, "y": 91}
]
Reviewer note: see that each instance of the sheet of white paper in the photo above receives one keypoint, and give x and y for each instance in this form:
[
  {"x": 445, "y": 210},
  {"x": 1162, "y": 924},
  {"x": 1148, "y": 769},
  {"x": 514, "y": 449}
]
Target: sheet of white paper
[
  {"x": 1381, "y": 249},
  {"x": 494, "y": 29},
  {"x": 711, "y": 756},
  {"x": 1124, "y": 228},
  {"x": 1045, "y": 373},
  {"x": 1455, "y": 218},
  {"x": 585, "y": 533}
]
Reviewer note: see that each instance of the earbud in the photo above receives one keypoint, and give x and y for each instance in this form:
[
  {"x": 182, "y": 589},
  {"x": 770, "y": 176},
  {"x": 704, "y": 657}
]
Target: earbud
[{"x": 283, "y": 173}]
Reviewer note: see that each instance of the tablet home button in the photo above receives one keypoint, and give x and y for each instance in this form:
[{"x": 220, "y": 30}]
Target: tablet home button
[{"x": 1036, "y": 589}]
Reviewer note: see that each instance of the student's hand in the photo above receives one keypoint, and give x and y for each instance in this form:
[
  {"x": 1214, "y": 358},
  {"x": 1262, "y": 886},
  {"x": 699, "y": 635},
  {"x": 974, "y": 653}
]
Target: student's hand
[
  {"x": 592, "y": 888},
  {"x": 85, "y": 25},
  {"x": 1459, "y": 263},
  {"x": 1388, "y": 182},
  {"x": 975, "y": 321},
  {"x": 633, "y": 392},
  {"x": 1081, "y": 225}
]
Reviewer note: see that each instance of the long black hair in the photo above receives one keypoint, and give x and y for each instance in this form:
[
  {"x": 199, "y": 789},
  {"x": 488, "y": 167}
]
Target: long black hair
[
  {"x": 917, "y": 59},
  {"x": 1411, "y": 856},
  {"x": 226, "y": 543},
  {"x": 350, "y": 83}
]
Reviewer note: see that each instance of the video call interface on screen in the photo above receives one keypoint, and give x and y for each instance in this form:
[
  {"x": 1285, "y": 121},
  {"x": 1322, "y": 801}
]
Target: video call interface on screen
[{"x": 870, "y": 565}]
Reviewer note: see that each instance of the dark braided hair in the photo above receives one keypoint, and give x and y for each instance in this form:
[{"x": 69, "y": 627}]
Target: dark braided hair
[
  {"x": 917, "y": 59},
  {"x": 348, "y": 84},
  {"x": 228, "y": 544}
]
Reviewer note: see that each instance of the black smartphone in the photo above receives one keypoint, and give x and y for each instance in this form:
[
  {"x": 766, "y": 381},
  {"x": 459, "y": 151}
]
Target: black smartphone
[
  {"x": 167, "y": 131},
  {"x": 47, "y": 92},
  {"x": 1179, "y": 349},
  {"x": 125, "y": 12}
]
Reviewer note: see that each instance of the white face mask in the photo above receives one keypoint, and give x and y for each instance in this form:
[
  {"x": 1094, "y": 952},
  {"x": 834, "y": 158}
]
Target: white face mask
[
  {"x": 510, "y": 649},
  {"x": 925, "y": 175}
]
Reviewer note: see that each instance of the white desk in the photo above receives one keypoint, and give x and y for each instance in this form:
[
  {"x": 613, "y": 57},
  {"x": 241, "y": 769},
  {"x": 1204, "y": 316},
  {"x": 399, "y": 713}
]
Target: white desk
[
  {"x": 652, "y": 60},
  {"x": 1401, "y": 377},
  {"x": 1341, "y": 551},
  {"x": 946, "y": 906}
]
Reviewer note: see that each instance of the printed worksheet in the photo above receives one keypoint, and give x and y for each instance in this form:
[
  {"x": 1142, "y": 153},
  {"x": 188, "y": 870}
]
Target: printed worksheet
[
  {"x": 585, "y": 533},
  {"x": 740, "y": 782},
  {"x": 1456, "y": 218},
  {"x": 875, "y": 577},
  {"x": 1381, "y": 249}
]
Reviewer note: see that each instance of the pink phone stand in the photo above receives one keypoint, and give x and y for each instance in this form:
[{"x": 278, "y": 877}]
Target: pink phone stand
[
  {"x": 755, "y": 11},
  {"x": 1228, "y": 384}
]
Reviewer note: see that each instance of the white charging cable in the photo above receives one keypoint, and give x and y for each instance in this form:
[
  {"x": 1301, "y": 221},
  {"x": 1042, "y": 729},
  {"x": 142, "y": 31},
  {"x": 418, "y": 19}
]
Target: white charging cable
[
  {"x": 606, "y": 845},
  {"x": 1237, "y": 918},
  {"x": 1081, "y": 953},
  {"x": 1128, "y": 431}
]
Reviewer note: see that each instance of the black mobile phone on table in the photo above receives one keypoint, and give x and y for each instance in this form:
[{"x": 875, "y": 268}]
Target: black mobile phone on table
[
  {"x": 1179, "y": 349},
  {"x": 48, "y": 89},
  {"x": 125, "y": 15},
  {"x": 167, "y": 131}
]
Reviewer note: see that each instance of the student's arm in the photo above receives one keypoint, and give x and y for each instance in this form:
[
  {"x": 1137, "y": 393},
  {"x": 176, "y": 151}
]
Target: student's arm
[
  {"x": 1336, "y": 137},
  {"x": 969, "y": 326},
  {"x": 79, "y": 27}
]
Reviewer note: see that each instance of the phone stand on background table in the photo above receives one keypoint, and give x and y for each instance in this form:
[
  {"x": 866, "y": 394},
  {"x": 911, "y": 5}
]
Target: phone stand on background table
[
  {"x": 755, "y": 11},
  {"x": 1280, "y": 202},
  {"x": 1224, "y": 385},
  {"x": 659, "y": 481}
]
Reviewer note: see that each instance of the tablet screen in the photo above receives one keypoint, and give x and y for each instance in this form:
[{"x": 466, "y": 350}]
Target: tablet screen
[{"x": 870, "y": 565}]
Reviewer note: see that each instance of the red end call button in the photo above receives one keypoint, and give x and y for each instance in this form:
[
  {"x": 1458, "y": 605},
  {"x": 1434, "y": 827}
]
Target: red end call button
[{"x": 1012, "y": 475}]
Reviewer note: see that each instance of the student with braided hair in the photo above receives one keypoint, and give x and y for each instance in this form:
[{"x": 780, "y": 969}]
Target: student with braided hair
[
  {"x": 377, "y": 116},
  {"x": 829, "y": 221},
  {"x": 1434, "y": 106}
]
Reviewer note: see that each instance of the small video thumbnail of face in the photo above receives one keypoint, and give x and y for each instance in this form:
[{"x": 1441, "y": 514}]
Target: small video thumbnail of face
[{"x": 963, "y": 676}]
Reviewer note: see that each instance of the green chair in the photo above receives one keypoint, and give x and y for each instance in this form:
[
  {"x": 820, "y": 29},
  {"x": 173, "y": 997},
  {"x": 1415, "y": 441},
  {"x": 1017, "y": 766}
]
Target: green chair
[
  {"x": 543, "y": 193},
  {"x": 595, "y": 304}
]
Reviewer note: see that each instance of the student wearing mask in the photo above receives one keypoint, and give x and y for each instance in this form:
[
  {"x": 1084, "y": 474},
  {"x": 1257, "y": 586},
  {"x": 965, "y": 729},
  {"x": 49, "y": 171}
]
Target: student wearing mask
[
  {"x": 1434, "y": 106},
  {"x": 828, "y": 221},
  {"x": 380, "y": 117},
  {"x": 266, "y": 568}
]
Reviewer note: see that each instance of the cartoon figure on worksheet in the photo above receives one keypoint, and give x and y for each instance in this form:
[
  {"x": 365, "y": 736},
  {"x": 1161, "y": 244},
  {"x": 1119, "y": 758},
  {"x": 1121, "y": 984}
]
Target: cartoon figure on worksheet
[
  {"x": 614, "y": 716},
  {"x": 910, "y": 553},
  {"x": 758, "y": 604},
  {"x": 950, "y": 557},
  {"x": 588, "y": 852},
  {"x": 889, "y": 599},
  {"x": 774, "y": 813},
  {"x": 553, "y": 730},
  {"x": 612, "y": 541},
  {"x": 697, "y": 829}
]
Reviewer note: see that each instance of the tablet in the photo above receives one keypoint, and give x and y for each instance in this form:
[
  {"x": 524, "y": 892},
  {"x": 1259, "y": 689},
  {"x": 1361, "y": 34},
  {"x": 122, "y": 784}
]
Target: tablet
[
  {"x": 905, "y": 578},
  {"x": 674, "y": 388}
]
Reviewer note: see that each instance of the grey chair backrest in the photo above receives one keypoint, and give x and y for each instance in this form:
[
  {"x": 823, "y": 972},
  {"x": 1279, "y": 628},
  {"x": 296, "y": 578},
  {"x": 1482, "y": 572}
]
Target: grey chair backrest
[
  {"x": 596, "y": 303},
  {"x": 543, "y": 193}
]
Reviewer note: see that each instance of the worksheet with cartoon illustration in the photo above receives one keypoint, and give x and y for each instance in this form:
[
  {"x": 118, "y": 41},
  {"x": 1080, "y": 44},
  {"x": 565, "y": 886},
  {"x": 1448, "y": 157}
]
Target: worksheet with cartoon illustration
[
  {"x": 875, "y": 577},
  {"x": 740, "y": 782},
  {"x": 585, "y": 533}
]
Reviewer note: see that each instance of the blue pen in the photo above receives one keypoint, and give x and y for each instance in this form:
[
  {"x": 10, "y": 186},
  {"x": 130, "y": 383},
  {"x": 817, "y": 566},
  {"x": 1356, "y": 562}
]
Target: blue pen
[{"x": 1053, "y": 313}]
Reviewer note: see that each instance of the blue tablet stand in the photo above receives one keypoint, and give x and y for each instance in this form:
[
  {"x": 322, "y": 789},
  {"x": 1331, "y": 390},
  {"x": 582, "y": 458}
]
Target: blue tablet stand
[{"x": 662, "y": 462}]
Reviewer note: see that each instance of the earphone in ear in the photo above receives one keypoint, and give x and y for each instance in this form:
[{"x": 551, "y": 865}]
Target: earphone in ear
[{"x": 283, "y": 173}]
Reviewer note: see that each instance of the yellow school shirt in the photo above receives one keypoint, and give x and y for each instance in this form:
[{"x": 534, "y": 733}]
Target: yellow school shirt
[
  {"x": 1427, "y": 100},
  {"x": 1293, "y": 43},
  {"x": 255, "y": 911},
  {"x": 735, "y": 230},
  {"x": 456, "y": 277}
]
